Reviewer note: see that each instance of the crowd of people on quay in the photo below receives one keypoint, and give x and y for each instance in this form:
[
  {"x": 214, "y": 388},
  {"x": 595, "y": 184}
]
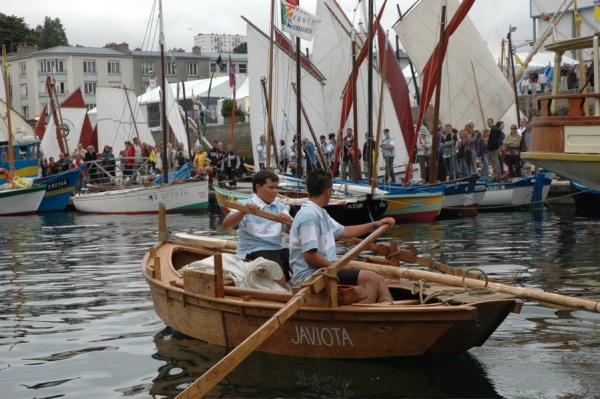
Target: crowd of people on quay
[{"x": 491, "y": 152}]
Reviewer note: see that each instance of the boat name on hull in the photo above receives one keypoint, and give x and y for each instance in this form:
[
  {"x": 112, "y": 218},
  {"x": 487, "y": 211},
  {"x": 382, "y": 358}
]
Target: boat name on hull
[
  {"x": 324, "y": 336},
  {"x": 57, "y": 185},
  {"x": 168, "y": 195}
]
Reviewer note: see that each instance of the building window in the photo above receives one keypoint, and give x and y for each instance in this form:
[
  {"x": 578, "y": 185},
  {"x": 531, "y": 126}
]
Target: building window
[
  {"x": 89, "y": 88},
  {"x": 192, "y": 69},
  {"x": 26, "y": 112},
  {"x": 60, "y": 87},
  {"x": 147, "y": 67},
  {"x": 170, "y": 68},
  {"x": 213, "y": 67},
  {"x": 90, "y": 107},
  {"x": 22, "y": 69},
  {"x": 89, "y": 66},
  {"x": 50, "y": 66},
  {"x": 242, "y": 68},
  {"x": 24, "y": 93},
  {"x": 114, "y": 67},
  {"x": 153, "y": 118}
]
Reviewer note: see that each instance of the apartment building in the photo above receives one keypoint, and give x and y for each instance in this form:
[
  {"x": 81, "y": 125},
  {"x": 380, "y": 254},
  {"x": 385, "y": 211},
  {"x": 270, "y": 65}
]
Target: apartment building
[
  {"x": 89, "y": 67},
  {"x": 213, "y": 43}
]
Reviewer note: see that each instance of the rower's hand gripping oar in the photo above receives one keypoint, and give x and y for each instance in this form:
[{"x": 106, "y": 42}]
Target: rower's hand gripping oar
[{"x": 215, "y": 374}]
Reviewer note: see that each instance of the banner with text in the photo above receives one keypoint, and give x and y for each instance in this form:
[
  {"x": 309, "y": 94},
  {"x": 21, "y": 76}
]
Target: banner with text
[{"x": 297, "y": 21}]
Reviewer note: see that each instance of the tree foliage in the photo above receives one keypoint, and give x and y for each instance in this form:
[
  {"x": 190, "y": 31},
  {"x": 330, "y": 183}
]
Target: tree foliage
[
  {"x": 14, "y": 31},
  {"x": 51, "y": 34},
  {"x": 241, "y": 48},
  {"x": 227, "y": 106}
]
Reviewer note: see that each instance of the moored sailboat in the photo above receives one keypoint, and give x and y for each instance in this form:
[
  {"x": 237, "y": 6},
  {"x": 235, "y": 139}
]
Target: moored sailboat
[
  {"x": 181, "y": 195},
  {"x": 17, "y": 197}
]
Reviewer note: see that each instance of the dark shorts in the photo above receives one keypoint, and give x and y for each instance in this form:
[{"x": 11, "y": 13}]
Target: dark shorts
[
  {"x": 279, "y": 256},
  {"x": 348, "y": 276}
]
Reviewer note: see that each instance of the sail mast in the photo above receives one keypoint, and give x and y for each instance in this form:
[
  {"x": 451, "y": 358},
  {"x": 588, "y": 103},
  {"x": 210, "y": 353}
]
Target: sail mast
[
  {"x": 57, "y": 117},
  {"x": 269, "y": 105},
  {"x": 161, "y": 39},
  {"x": 436, "y": 115},
  {"x": 11, "y": 153}
]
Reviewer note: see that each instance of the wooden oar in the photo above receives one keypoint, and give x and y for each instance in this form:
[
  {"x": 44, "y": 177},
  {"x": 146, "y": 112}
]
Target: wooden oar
[
  {"x": 266, "y": 215},
  {"x": 538, "y": 296},
  {"x": 208, "y": 242},
  {"x": 315, "y": 284}
]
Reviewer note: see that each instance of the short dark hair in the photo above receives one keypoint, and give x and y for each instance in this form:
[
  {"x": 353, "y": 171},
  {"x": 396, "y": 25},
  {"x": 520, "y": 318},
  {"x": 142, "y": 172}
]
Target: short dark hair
[
  {"x": 318, "y": 182},
  {"x": 499, "y": 123},
  {"x": 261, "y": 178},
  {"x": 322, "y": 137}
]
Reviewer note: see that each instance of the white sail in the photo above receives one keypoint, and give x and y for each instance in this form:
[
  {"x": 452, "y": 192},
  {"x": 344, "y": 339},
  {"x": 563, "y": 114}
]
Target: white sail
[
  {"x": 419, "y": 33},
  {"x": 119, "y": 119},
  {"x": 73, "y": 119},
  {"x": 175, "y": 118},
  {"x": 21, "y": 128},
  {"x": 332, "y": 54},
  {"x": 284, "y": 99}
]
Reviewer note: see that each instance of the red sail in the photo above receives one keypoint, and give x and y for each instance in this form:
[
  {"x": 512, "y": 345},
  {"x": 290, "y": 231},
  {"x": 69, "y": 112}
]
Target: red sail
[
  {"x": 398, "y": 88},
  {"x": 40, "y": 127}
]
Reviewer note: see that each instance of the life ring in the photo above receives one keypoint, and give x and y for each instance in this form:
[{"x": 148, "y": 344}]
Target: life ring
[{"x": 6, "y": 173}]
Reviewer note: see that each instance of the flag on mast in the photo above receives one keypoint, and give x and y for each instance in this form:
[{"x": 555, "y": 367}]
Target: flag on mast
[
  {"x": 297, "y": 21},
  {"x": 220, "y": 63}
]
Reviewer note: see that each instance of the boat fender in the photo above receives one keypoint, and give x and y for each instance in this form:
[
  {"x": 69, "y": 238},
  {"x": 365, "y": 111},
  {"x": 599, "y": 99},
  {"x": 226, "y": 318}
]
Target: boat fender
[{"x": 6, "y": 173}]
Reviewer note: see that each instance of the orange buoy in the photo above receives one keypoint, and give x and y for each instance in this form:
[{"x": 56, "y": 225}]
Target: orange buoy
[{"x": 6, "y": 173}]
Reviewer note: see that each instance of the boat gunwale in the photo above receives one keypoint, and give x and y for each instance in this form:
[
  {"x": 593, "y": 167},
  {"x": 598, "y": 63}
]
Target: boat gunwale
[{"x": 237, "y": 304}]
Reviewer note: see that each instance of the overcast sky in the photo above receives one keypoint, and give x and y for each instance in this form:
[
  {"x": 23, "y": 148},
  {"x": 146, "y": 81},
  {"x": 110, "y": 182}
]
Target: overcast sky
[{"x": 95, "y": 23}]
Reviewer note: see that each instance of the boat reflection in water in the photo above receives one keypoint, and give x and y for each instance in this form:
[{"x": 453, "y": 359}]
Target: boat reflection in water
[{"x": 266, "y": 375}]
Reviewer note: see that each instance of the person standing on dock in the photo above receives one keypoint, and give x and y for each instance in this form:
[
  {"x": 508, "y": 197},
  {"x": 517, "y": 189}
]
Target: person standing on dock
[
  {"x": 261, "y": 150},
  {"x": 494, "y": 143},
  {"x": 388, "y": 146}
]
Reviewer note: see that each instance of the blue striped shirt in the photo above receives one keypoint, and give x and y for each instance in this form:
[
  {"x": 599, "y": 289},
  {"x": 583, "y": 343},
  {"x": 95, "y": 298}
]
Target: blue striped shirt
[
  {"x": 256, "y": 233},
  {"x": 313, "y": 228}
]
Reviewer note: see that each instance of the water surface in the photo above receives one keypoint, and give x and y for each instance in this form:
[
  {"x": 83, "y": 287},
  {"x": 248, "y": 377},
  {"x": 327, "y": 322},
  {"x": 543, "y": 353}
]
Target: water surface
[{"x": 76, "y": 317}]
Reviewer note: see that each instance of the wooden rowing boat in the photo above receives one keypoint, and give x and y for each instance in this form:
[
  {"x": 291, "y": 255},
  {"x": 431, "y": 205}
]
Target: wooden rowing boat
[{"x": 207, "y": 306}]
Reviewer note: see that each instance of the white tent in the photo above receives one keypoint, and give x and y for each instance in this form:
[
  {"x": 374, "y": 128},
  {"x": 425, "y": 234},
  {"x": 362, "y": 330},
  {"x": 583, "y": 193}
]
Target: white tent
[{"x": 199, "y": 88}]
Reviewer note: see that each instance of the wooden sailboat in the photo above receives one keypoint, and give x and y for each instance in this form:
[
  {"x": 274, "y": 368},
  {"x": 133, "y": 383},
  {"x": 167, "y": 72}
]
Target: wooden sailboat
[
  {"x": 185, "y": 195},
  {"x": 15, "y": 200},
  {"x": 466, "y": 46}
]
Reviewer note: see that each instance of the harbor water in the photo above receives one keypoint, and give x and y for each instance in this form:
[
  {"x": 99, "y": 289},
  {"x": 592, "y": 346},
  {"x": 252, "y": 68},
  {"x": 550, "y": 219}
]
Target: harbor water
[{"x": 77, "y": 321}]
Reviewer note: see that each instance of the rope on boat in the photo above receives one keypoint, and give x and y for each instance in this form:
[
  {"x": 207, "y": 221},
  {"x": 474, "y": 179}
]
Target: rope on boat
[
  {"x": 420, "y": 286},
  {"x": 325, "y": 273}
]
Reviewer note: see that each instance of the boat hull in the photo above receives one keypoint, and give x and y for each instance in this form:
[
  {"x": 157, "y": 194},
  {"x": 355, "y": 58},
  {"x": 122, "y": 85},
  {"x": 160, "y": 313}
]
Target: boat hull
[
  {"x": 59, "y": 189},
  {"x": 184, "y": 197},
  {"x": 515, "y": 194},
  {"x": 413, "y": 208},
  {"x": 348, "y": 331},
  {"x": 585, "y": 197},
  {"x": 23, "y": 201},
  {"x": 567, "y": 145}
]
